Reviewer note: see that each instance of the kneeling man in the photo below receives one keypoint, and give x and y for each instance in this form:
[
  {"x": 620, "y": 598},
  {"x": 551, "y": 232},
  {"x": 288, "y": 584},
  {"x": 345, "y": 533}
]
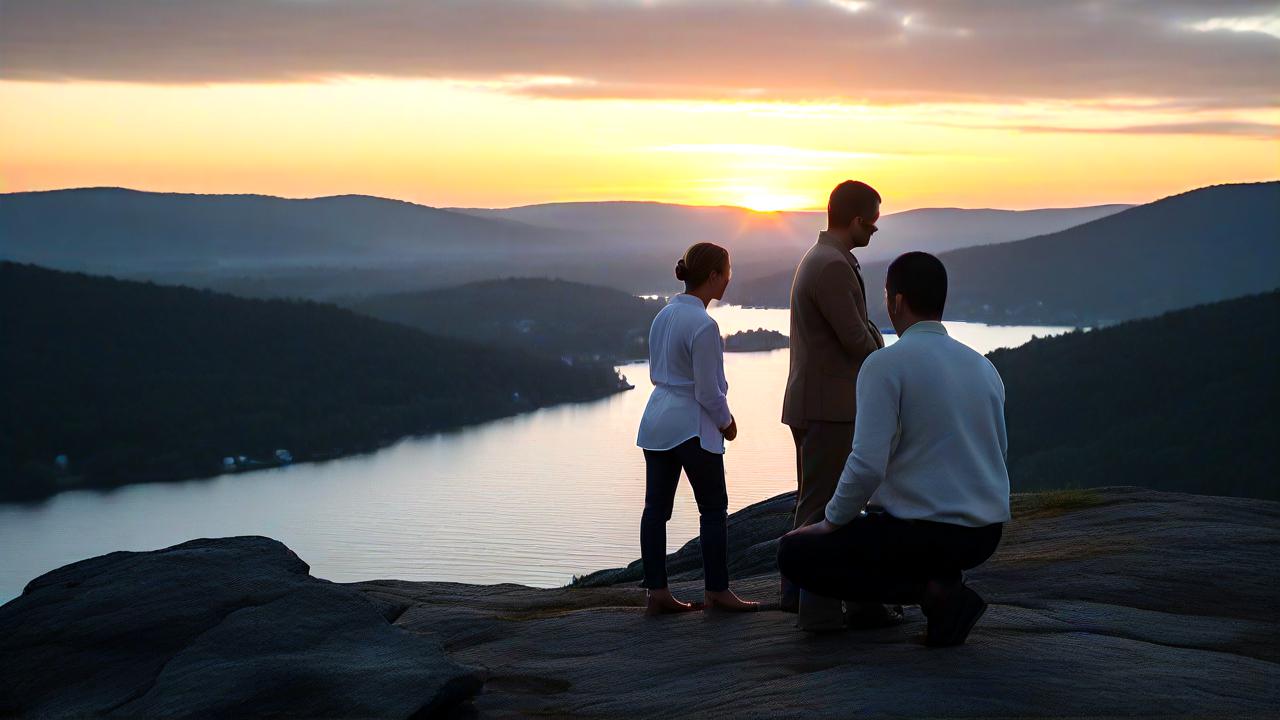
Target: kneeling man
[{"x": 928, "y": 463}]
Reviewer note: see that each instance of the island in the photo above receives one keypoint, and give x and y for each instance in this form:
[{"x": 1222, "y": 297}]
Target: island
[{"x": 757, "y": 340}]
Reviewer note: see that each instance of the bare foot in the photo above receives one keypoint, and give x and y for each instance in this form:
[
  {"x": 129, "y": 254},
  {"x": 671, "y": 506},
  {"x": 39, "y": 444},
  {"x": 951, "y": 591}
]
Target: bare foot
[
  {"x": 727, "y": 600},
  {"x": 662, "y": 602}
]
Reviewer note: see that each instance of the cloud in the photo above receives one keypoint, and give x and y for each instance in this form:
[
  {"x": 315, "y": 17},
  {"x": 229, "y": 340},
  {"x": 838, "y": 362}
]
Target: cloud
[
  {"x": 1269, "y": 24},
  {"x": 1247, "y": 129},
  {"x": 750, "y": 150},
  {"x": 1220, "y": 54},
  {"x": 1239, "y": 128}
]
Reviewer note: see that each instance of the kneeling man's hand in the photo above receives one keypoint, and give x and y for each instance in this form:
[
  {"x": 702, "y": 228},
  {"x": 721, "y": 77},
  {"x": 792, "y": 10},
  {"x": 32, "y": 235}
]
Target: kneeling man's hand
[{"x": 818, "y": 528}]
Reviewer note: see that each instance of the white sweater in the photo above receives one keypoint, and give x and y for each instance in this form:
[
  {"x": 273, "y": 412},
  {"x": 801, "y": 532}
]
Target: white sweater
[{"x": 929, "y": 441}]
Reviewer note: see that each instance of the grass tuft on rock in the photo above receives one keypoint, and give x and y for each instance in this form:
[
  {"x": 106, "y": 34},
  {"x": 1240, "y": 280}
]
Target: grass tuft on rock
[{"x": 1050, "y": 503}]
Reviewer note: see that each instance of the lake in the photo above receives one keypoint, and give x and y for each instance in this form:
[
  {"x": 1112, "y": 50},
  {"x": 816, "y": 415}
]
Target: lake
[{"x": 534, "y": 499}]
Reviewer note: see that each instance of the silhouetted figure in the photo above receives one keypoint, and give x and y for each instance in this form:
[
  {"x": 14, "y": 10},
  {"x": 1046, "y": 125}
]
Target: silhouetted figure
[
  {"x": 684, "y": 426},
  {"x": 830, "y": 338},
  {"x": 928, "y": 464}
]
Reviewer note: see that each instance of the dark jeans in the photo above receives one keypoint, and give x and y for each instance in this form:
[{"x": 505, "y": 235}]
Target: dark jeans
[
  {"x": 705, "y": 471},
  {"x": 879, "y": 558}
]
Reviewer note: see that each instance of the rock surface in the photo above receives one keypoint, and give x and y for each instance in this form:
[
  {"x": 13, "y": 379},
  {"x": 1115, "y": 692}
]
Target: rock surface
[
  {"x": 1109, "y": 602},
  {"x": 213, "y": 628}
]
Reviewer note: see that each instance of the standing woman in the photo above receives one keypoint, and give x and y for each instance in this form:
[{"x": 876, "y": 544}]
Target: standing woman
[{"x": 684, "y": 427}]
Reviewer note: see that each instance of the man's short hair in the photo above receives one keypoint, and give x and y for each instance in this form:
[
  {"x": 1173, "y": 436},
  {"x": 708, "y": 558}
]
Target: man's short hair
[
  {"x": 851, "y": 199},
  {"x": 922, "y": 280}
]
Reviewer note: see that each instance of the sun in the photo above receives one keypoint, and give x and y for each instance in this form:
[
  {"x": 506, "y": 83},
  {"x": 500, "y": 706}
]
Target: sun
[{"x": 762, "y": 200}]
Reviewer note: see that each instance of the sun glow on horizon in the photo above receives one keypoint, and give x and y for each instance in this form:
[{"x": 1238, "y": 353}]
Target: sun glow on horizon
[
  {"x": 764, "y": 200},
  {"x": 444, "y": 145}
]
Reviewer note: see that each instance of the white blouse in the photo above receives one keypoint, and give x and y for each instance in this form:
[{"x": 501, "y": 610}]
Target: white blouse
[{"x": 686, "y": 365}]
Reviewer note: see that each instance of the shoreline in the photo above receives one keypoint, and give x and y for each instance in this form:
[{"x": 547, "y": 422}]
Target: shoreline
[{"x": 355, "y": 450}]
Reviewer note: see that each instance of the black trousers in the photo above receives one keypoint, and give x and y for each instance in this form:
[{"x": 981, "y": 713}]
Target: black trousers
[
  {"x": 821, "y": 450},
  {"x": 880, "y": 558},
  {"x": 705, "y": 471}
]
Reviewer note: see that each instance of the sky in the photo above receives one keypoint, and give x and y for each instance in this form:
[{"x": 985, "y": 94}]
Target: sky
[{"x": 966, "y": 103}]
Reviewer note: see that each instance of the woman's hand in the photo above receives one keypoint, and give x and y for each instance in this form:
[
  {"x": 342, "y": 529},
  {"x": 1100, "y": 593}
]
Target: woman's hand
[{"x": 730, "y": 431}]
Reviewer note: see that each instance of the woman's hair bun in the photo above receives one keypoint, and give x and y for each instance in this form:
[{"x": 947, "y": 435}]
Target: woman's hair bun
[{"x": 699, "y": 261}]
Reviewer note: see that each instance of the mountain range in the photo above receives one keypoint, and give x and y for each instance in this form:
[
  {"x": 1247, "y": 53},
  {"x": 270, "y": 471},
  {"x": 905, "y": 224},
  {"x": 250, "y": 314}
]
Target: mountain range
[
  {"x": 115, "y": 229},
  {"x": 325, "y": 248},
  {"x": 1205, "y": 245},
  {"x": 752, "y": 236}
]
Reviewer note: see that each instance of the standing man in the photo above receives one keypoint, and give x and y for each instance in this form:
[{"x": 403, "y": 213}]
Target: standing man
[
  {"x": 928, "y": 465},
  {"x": 830, "y": 338}
]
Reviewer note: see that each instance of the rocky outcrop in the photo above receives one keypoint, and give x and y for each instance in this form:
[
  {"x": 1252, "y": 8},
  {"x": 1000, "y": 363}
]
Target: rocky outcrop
[
  {"x": 1108, "y": 602},
  {"x": 213, "y": 628}
]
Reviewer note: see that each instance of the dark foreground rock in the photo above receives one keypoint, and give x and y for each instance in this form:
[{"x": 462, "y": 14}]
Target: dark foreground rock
[
  {"x": 213, "y": 628},
  {"x": 1104, "y": 603}
]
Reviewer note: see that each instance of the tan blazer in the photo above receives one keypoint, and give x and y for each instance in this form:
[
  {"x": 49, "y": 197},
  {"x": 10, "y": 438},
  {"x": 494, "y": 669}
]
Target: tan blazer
[{"x": 830, "y": 336}]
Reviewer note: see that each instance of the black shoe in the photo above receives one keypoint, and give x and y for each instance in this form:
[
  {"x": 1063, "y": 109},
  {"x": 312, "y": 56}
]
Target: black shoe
[
  {"x": 952, "y": 615},
  {"x": 870, "y": 616}
]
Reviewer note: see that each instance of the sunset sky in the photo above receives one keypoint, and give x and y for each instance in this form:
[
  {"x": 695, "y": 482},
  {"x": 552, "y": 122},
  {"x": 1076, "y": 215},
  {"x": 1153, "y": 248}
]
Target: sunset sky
[{"x": 969, "y": 103}]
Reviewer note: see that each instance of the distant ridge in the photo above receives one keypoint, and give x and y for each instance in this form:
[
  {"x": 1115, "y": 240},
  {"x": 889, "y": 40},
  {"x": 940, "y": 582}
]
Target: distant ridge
[
  {"x": 1200, "y": 246},
  {"x": 346, "y": 245},
  {"x": 754, "y": 234},
  {"x": 131, "y": 231},
  {"x": 549, "y": 317}
]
